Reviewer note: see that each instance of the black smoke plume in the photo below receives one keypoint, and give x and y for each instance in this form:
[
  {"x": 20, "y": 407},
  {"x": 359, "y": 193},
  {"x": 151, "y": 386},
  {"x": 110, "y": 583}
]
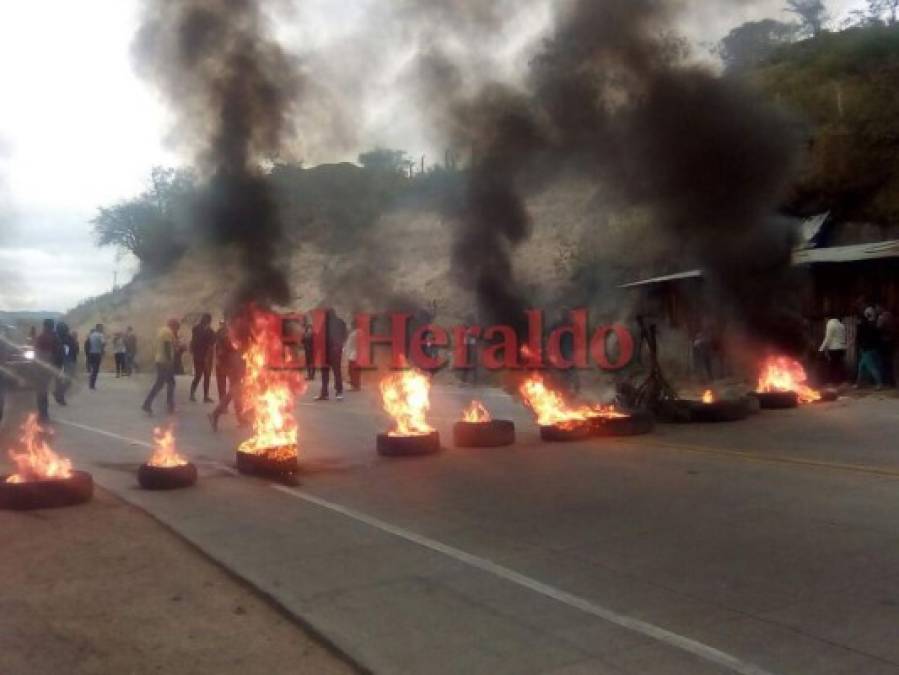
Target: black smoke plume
[
  {"x": 234, "y": 91},
  {"x": 611, "y": 96}
]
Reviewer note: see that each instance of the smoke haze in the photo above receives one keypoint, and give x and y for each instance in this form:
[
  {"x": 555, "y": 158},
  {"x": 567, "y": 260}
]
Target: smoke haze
[
  {"x": 611, "y": 95},
  {"x": 235, "y": 92}
]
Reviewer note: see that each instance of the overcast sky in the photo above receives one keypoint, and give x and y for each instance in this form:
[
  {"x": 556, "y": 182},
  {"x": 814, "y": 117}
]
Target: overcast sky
[{"x": 79, "y": 130}]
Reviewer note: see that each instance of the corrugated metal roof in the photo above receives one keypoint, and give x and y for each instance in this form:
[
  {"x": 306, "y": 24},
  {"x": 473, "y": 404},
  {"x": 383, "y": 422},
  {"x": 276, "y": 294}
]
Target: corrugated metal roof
[
  {"x": 843, "y": 254},
  {"x": 810, "y": 228},
  {"x": 812, "y": 256},
  {"x": 692, "y": 274}
]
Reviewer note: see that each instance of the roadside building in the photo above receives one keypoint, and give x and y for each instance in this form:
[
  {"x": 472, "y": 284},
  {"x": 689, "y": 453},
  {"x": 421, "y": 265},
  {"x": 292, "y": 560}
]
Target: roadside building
[{"x": 849, "y": 266}]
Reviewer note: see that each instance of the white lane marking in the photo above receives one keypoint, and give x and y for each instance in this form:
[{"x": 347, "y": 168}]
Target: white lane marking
[
  {"x": 670, "y": 638},
  {"x": 686, "y": 644},
  {"x": 102, "y": 432},
  {"x": 134, "y": 441}
]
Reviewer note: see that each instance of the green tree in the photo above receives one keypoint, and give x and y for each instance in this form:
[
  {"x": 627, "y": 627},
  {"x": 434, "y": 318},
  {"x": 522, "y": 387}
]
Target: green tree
[
  {"x": 385, "y": 159},
  {"x": 150, "y": 226},
  {"x": 812, "y": 15},
  {"x": 752, "y": 43},
  {"x": 843, "y": 85},
  {"x": 887, "y": 10}
]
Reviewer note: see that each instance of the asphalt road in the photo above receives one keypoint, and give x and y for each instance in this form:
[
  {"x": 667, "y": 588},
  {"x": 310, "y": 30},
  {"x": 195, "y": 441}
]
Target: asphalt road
[{"x": 764, "y": 546}]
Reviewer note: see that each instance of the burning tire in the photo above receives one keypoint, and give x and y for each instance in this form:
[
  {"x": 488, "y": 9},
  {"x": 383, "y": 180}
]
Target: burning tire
[
  {"x": 777, "y": 400},
  {"x": 634, "y": 424},
  {"x": 46, "y": 494},
  {"x": 268, "y": 465},
  {"x": 829, "y": 396},
  {"x": 697, "y": 412},
  {"x": 167, "y": 477},
  {"x": 568, "y": 433},
  {"x": 408, "y": 446},
  {"x": 492, "y": 434}
]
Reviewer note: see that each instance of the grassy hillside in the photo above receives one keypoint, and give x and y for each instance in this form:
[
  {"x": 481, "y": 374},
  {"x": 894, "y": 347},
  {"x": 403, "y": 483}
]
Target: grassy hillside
[{"x": 844, "y": 89}]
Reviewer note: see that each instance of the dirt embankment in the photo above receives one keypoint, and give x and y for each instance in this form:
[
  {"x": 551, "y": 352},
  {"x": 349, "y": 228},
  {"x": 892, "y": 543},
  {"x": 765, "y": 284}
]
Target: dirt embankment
[
  {"x": 404, "y": 255},
  {"x": 102, "y": 588}
]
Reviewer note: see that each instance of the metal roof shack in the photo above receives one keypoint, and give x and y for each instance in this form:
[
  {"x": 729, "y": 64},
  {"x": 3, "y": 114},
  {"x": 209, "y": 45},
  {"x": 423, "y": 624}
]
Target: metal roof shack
[{"x": 810, "y": 256}]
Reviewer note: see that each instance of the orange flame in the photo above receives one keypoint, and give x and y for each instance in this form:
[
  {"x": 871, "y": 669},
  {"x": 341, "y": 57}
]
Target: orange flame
[
  {"x": 780, "y": 373},
  {"x": 476, "y": 413},
  {"x": 164, "y": 453},
  {"x": 708, "y": 397},
  {"x": 551, "y": 409},
  {"x": 268, "y": 394},
  {"x": 36, "y": 461},
  {"x": 406, "y": 398}
]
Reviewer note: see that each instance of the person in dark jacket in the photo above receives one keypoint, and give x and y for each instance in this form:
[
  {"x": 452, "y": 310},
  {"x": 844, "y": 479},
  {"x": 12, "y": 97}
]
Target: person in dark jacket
[
  {"x": 335, "y": 337},
  {"x": 868, "y": 343},
  {"x": 66, "y": 361},
  {"x": 47, "y": 350},
  {"x": 309, "y": 350},
  {"x": 202, "y": 349},
  {"x": 886, "y": 327}
]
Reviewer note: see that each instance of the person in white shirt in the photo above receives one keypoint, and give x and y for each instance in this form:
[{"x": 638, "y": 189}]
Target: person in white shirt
[
  {"x": 834, "y": 349},
  {"x": 352, "y": 356}
]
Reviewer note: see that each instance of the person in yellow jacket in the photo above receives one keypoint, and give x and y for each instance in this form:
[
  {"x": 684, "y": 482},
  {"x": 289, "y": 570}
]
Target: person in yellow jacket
[{"x": 166, "y": 351}]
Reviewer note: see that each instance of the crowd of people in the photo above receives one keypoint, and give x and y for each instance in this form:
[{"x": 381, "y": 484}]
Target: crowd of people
[
  {"x": 875, "y": 345},
  {"x": 217, "y": 355},
  {"x": 859, "y": 350}
]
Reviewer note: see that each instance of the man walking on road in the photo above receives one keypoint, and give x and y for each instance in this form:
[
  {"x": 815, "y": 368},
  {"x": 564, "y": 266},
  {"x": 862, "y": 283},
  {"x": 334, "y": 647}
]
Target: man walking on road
[
  {"x": 95, "y": 345},
  {"x": 166, "y": 349},
  {"x": 202, "y": 348}
]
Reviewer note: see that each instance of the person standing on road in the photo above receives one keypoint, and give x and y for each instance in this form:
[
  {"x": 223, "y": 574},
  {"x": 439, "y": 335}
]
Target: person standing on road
[
  {"x": 238, "y": 337},
  {"x": 886, "y": 326},
  {"x": 166, "y": 350},
  {"x": 202, "y": 349},
  {"x": 118, "y": 353},
  {"x": 223, "y": 349},
  {"x": 352, "y": 360},
  {"x": 469, "y": 375},
  {"x": 335, "y": 337},
  {"x": 94, "y": 347},
  {"x": 868, "y": 342},
  {"x": 309, "y": 350},
  {"x": 46, "y": 351},
  {"x": 834, "y": 349},
  {"x": 130, "y": 351},
  {"x": 75, "y": 347},
  {"x": 68, "y": 360}
]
